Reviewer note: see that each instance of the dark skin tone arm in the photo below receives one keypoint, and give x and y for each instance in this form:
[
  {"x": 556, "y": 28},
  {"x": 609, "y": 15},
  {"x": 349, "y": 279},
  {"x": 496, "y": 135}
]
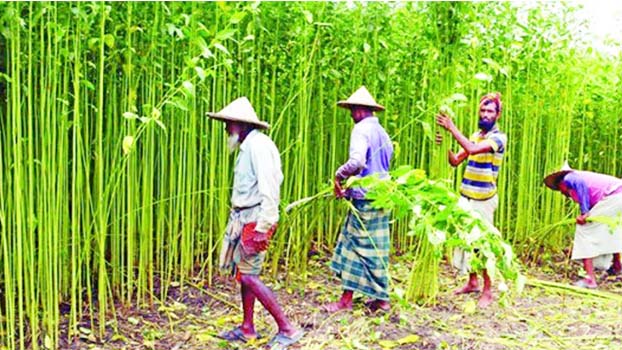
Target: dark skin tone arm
[
  {"x": 456, "y": 158},
  {"x": 563, "y": 188},
  {"x": 468, "y": 147},
  {"x": 338, "y": 189}
]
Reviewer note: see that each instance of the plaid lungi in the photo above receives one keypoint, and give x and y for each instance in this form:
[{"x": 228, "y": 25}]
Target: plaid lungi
[
  {"x": 361, "y": 258},
  {"x": 232, "y": 256}
]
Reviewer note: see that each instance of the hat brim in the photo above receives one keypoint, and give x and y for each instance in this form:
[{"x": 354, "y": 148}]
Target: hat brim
[
  {"x": 552, "y": 180},
  {"x": 228, "y": 118},
  {"x": 346, "y": 104}
]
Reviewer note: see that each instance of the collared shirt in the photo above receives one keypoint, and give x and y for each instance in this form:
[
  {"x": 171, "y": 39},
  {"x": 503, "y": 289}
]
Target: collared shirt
[
  {"x": 370, "y": 153},
  {"x": 590, "y": 188},
  {"x": 257, "y": 178},
  {"x": 480, "y": 176}
]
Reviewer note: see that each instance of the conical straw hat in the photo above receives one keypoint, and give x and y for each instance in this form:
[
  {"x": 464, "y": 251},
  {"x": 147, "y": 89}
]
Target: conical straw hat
[
  {"x": 552, "y": 180},
  {"x": 361, "y": 97},
  {"x": 239, "y": 110}
]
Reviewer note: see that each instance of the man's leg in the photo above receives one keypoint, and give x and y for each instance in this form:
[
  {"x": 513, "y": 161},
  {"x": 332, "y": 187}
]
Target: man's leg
[
  {"x": 590, "y": 280},
  {"x": 486, "y": 298},
  {"x": 248, "y": 306},
  {"x": 268, "y": 300},
  {"x": 345, "y": 303},
  {"x": 617, "y": 265},
  {"x": 245, "y": 331},
  {"x": 472, "y": 285},
  {"x": 487, "y": 210}
]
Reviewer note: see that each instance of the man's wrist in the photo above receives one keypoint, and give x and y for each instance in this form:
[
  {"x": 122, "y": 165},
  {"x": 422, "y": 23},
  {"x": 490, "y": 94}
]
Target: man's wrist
[{"x": 453, "y": 130}]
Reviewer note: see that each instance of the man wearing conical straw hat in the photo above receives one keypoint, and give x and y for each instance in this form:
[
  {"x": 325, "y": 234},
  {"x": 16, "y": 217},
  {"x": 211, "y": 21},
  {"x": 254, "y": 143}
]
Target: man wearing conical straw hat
[
  {"x": 361, "y": 257},
  {"x": 600, "y": 198},
  {"x": 252, "y": 219},
  {"x": 484, "y": 153}
]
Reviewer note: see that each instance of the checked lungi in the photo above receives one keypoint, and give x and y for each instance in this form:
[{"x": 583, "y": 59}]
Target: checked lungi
[
  {"x": 361, "y": 258},
  {"x": 232, "y": 256}
]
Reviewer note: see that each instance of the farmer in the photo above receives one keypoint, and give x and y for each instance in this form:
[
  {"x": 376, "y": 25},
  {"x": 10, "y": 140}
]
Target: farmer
[
  {"x": 484, "y": 152},
  {"x": 598, "y": 195},
  {"x": 361, "y": 257},
  {"x": 253, "y": 218}
]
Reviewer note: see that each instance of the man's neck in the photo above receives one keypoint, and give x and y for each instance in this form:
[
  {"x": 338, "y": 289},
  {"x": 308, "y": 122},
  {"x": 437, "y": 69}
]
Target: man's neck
[
  {"x": 484, "y": 132},
  {"x": 245, "y": 134},
  {"x": 360, "y": 119}
]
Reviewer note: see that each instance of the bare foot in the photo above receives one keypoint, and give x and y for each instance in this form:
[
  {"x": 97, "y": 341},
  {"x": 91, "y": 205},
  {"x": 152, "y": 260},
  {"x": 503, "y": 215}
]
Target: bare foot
[
  {"x": 586, "y": 283},
  {"x": 337, "y": 306},
  {"x": 485, "y": 300},
  {"x": 468, "y": 288}
]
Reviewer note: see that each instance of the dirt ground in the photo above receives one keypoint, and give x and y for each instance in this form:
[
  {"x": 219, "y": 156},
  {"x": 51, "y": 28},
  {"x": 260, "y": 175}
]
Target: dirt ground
[{"x": 539, "y": 318}]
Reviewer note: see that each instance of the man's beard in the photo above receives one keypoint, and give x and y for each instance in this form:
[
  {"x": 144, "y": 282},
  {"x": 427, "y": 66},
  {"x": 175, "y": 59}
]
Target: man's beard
[
  {"x": 486, "y": 126},
  {"x": 233, "y": 142}
]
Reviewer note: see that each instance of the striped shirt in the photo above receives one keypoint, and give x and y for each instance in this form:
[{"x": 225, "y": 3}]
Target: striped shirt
[{"x": 480, "y": 176}]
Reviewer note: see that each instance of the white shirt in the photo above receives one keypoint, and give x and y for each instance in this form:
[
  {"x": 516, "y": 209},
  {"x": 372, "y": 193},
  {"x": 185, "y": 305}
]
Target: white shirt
[{"x": 257, "y": 178}]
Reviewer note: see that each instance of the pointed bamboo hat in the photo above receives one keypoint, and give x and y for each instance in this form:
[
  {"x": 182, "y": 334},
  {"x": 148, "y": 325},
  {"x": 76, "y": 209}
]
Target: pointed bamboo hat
[
  {"x": 240, "y": 110},
  {"x": 361, "y": 97},
  {"x": 553, "y": 179}
]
